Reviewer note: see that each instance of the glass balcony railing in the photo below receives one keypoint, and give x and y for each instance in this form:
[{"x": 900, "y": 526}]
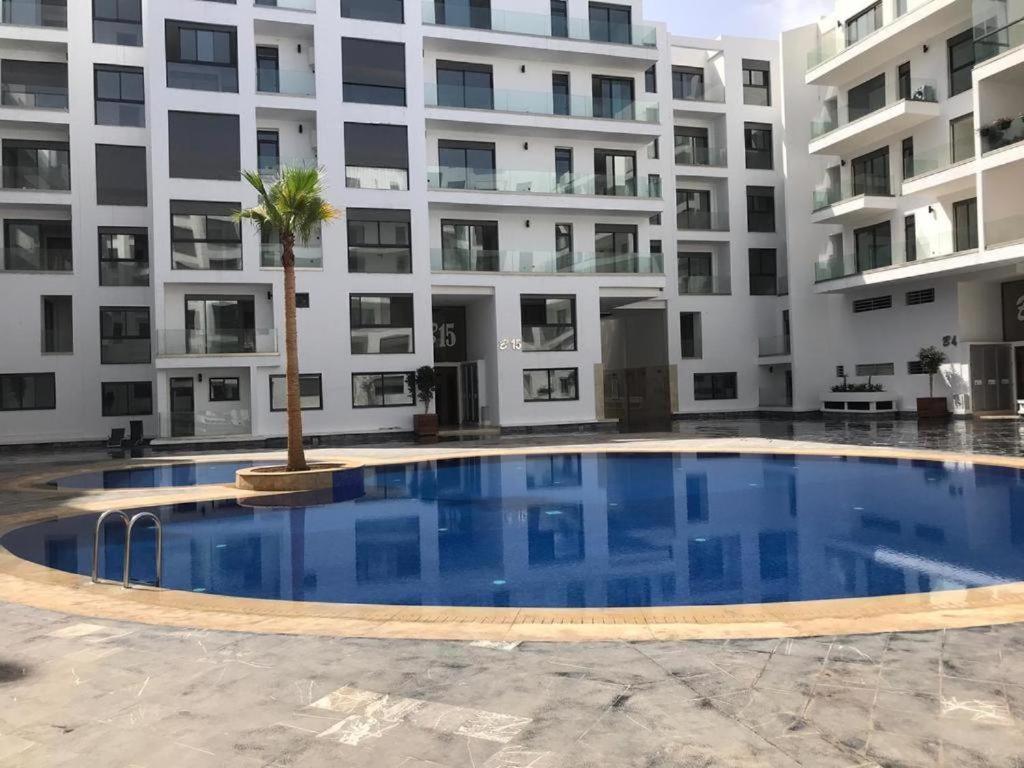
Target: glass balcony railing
[
  {"x": 287, "y": 5},
  {"x": 34, "y": 96},
  {"x": 37, "y": 260},
  {"x": 366, "y": 177},
  {"x": 708, "y": 93},
  {"x": 1000, "y": 232},
  {"x": 845, "y": 114},
  {"x": 1000, "y": 133},
  {"x": 202, "y": 77},
  {"x": 705, "y": 285},
  {"x": 710, "y": 221},
  {"x": 270, "y": 166},
  {"x": 999, "y": 41},
  {"x": 773, "y": 346},
  {"x": 828, "y": 195},
  {"x": 306, "y": 256},
  {"x": 287, "y": 82},
  {"x": 125, "y": 351},
  {"x": 222, "y": 341},
  {"x": 541, "y": 183},
  {"x": 541, "y": 262},
  {"x": 931, "y": 245},
  {"x": 538, "y": 24},
  {"x": 702, "y": 157},
  {"x": 836, "y": 40},
  {"x": 49, "y": 178},
  {"x": 34, "y": 13},
  {"x": 206, "y": 256},
  {"x": 940, "y": 158},
  {"x": 127, "y": 272},
  {"x": 539, "y": 103}
]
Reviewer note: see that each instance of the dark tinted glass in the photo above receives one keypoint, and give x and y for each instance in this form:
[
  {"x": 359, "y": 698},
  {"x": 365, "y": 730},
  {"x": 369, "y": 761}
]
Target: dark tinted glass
[
  {"x": 203, "y": 146},
  {"x": 376, "y": 146},
  {"x": 374, "y": 10},
  {"x": 373, "y": 71},
  {"x": 120, "y": 175}
]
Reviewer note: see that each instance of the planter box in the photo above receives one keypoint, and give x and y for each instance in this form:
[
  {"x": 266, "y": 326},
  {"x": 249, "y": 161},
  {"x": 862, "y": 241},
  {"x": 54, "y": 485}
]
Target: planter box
[
  {"x": 426, "y": 427},
  {"x": 932, "y": 408},
  {"x": 859, "y": 402}
]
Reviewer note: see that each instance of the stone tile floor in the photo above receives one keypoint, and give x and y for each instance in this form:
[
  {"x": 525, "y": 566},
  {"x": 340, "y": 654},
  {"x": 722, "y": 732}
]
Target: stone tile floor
[{"x": 76, "y": 691}]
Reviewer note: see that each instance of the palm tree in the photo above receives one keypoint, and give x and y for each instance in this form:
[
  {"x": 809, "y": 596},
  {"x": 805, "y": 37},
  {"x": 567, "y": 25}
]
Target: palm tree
[{"x": 293, "y": 206}]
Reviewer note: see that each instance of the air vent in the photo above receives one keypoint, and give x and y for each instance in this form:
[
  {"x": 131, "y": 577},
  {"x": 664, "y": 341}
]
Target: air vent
[
  {"x": 870, "y": 305},
  {"x": 914, "y": 368},
  {"x": 924, "y": 296},
  {"x": 840, "y": 371},
  {"x": 876, "y": 369}
]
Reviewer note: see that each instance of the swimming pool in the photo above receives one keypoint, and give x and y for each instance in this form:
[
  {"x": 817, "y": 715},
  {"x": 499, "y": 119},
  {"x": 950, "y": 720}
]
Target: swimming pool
[
  {"x": 179, "y": 474},
  {"x": 592, "y": 530}
]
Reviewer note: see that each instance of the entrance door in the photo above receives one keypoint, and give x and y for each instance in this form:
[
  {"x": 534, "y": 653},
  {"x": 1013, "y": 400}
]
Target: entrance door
[
  {"x": 448, "y": 396},
  {"x": 991, "y": 378},
  {"x": 1018, "y": 356},
  {"x": 789, "y": 387},
  {"x": 470, "y": 376},
  {"x": 183, "y": 408}
]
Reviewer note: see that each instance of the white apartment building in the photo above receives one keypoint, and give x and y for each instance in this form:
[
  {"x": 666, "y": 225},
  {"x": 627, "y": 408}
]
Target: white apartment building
[{"x": 576, "y": 217}]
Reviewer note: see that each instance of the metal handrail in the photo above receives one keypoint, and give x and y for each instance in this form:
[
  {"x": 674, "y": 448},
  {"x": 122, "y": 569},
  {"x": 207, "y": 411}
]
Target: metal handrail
[
  {"x": 96, "y": 539},
  {"x": 128, "y": 546}
]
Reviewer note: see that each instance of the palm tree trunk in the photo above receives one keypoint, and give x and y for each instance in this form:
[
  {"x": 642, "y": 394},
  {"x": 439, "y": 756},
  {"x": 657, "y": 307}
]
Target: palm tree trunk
[{"x": 296, "y": 453}]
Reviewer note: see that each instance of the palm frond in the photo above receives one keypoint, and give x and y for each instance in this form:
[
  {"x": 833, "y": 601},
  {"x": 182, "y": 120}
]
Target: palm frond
[{"x": 292, "y": 204}]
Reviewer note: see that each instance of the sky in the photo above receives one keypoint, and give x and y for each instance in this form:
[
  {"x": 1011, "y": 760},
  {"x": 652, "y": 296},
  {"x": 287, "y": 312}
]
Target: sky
[{"x": 738, "y": 18}]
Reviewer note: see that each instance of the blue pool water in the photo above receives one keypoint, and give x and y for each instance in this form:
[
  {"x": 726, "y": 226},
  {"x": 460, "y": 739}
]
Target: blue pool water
[
  {"x": 590, "y": 530},
  {"x": 169, "y": 475}
]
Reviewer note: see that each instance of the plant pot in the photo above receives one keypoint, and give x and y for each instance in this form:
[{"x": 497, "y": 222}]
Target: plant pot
[
  {"x": 932, "y": 408},
  {"x": 425, "y": 426}
]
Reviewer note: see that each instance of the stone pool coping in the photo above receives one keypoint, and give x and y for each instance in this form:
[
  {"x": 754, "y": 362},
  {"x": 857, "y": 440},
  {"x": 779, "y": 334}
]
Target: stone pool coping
[{"x": 41, "y": 587}]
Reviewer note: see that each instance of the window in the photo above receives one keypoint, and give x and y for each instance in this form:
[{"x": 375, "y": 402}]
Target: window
[
  {"x": 123, "y": 256},
  {"x": 28, "y": 391},
  {"x": 475, "y": 14},
  {"x": 688, "y": 83},
  {"x": 657, "y": 257},
  {"x": 541, "y": 385},
  {"x": 695, "y": 273},
  {"x": 124, "y": 335},
  {"x": 376, "y": 156},
  {"x": 379, "y": 241},
  {"x": 217, "y": 325},
  {"x": 34, "y": 84},
  {"x": 203, "y": 146},
  {"x": 760, "y": 209},
  {"x": 268, "y": 152},
  {"x": 374, "y": 10},
  {"x": 763, "y": 272},
  {"x": 43, "y": 13},
  {"x": 381, "y": 390},
  {"x": 302, "y": 300},
  {"x": 871, "y": 173},
  {"x": 914, "y": 368},
  {"x": 903, "y": 88},
  {"x": 117, "y": 22},
  {"x": 549, "y": 323},
  {"x": 465, "y": 85},
  {"x": 615, "y": 173},
  {"x": 34, "y": 164},
  {"x": 863, "y": 24},
  {"x": 873, "y": 246},
  {"x": 961, "y": 138},
  {"x": 875, "y": 369},
  {"x": 205, "y": 235},
  {"x": 310, "y": 392},
  {"x": 921, "y": 296},
  {"x": 128, "y": 398},
  {"x": 564, "y": 248},
  {"x": 757, "y": 89},
  {"x": 611, "y": 23},
  {"x": 466, "y": 165},
  {"x": 373, "y": 71},
  {"x": 651, "y": 79},
  {"x": 907, "y": 150},
  {"x": 910, "y": 236},
  {"x": 714, "y": 386},
  {"x": 225, "y": 389},
  {"x": 37, "y": 246},
  {"x": 866, "y": 98},
  {"x": 57, "y": 325},
  {"x": 693, "y": 208},
  {"x": 559, "y": 19},
  {"x": 613, "y": 97},
  {"x": 561, "y": 99},
  {"x": 564, "y": 183},
  {"x": 469, "y": 246},
  {"x": 201, "y": 57},
  {"x": 961, "y": 62},
  {"x": 268, "y": 69},
  {"x": 381, "y": 325},
  {"x": 690, "y": 335},
  {"x": 872, "y": 304},
  {"x": 121, "y": 175},
  {"x": 616, "y": 246},
  {"x": 757, "y": 140},
  {"x": 691, "y": 146},
  {"x": 120, "y": 95},
  {"x": 965, "y": 225}
]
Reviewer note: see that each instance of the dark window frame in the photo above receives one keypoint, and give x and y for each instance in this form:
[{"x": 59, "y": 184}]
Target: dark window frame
[
  {"x": 532, "y": 297},
  {"x": 718, "y": 389},
  {"x": 302, "y": 376},
  {"x": 349, "y": 86},
  {"x": 965, "y": 41},
  {"x": 147, "y": 337},
  {"x": 206, "y": 227},
  {"x": 360, "y": 5},
  {"x": 118, "y": 70},
  {"x": 52, "y": 377},
  {"x": 173, "y": 29},
  {"x": 118, "y": 20},
  {"x": 753, "y": 144},
  {"x": 133, "y": 232},
  {"x": 136, "y": 202},
  {"x": 763, "y": 282},
  {"x": 758, "y": 209},
  {"x": 40, "y": 224},
  {"x": 750, "y": 71},
  {"x": 360, "y": 216},
  {"x": 360, "y": 325},
  {"x": 696, "y": 346},
  {"x": 550, "y": 387},
  {"x": 70, "y": 303},
  {"x": 130, "y": 397},
  {"x": 401, "y": 374},
  {"x": 223, "y": 380}
]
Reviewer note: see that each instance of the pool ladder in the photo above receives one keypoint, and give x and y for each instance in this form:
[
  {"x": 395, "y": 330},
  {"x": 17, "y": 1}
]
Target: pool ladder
[{"x": 129, "y": 524}]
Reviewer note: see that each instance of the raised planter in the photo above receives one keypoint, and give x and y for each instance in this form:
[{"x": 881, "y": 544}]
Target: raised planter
[
  {"x": 932, "y": 408},
  {"x": 318, "y": 477},
  {"x": 426, "y": 427},
  {"x": 859, "y": 402}
]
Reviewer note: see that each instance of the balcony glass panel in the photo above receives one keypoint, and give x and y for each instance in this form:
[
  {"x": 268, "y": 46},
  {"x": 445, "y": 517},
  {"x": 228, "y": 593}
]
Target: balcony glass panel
[
  {"x": 835, "y": 40},
  {"x": 705, "y": 285},
  {"x": 34, "y": 13},
  {"x": 41, "y": 166},
  {"x": 288, "y": 5},
  {"x": 534, "y": 103},
  {"x": 287, "y": 82},
  {"x": 202, "y": 77},
  {"x": 994, "y": 32},
  {"x": 221, "y": 341},
  {"x": 537, "y": 182},
  {"x": 1000, "y": 133},
  {"x": 545, "y": 262}
]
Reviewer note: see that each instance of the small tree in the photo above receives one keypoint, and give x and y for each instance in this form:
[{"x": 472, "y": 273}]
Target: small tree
[
  {"x": 424, "y": 383},
  {"x": 931, "y": 359}
]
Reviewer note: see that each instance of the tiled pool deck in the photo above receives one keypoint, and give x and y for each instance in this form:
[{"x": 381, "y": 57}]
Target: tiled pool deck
[{"x": 81, "y": 691}]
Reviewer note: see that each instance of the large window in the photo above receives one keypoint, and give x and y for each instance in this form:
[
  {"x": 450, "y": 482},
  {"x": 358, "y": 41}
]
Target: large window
[
  {"x": 757, "y": 85},
  {"x": 124, "y": 335},
  {"x": 467, "y": 85},
  {"x": 34, "y": 164},
  {"x": 203, "y": 146},
  {"x": 615, "y": 172},
  {"x": 757, "y": 140},
  {"x": 124, "y": 256},
  {"x": 42, "y": 13},
  {"x": 475, "y": 14},
  {"x": 549, "y": 323},
  {"x": 373, "y": 71},
  {"x": 965, "y": 225},
  {"x": 714, "y": 386},
  {"x": 613, "y": 97},
  {"x": 205, "y": 235},
  {"x": 201, "y": 57},
  {"x": 760, "y": 209},
  {"x": 127, "y": 398},
  {"x": 541, "y": 385},
  {"x": 310, "y": 392},
  {"x": 616, "y": 246},
  {"x": 469, "y": 246},
  {"x": 221, "y": 325},
  {"x": 379, "y": 241},
  {"x": 559, "y": 18},
  {"x": 696, "y": 273},
  {"x": 57, "y": 326},
  {"x": 763, "y": 271},
  {"x": 961, "y": 62},
  {"x": 381, "y": 390},
  {"x": 690, "y": 335},
  {"x": 34, "y": 84},
  {"x": 871, "y": 173},
  {"x": 873, "y": 246},
  {"x": 374, "y": 10},
  {"x": 688, "y": 83},
  {"x": 225, "y": 389},
  {"x": 863, "y": 24},
  {"x": 611, "y": 23},
  {"x": 561, "y": 96},
  {"x": 37, "y": 246},
  {"x": 867, "y": 97},
  {"x": 117, "y": 22},
  {"x": 121, "y": 175},
  {"x": 564, "y": 171},
  {"x": 381, "y": 325},
  {"x": 693, "y": 209},
  {"x": 961, "y": 138},
  {"x": 28, "y": 391},
  {"x": 691, "y": 146},
  {"x": 376, "y": 156},
  {"x": 466, "y": 165},
  {"x": 120, "y": 95}
]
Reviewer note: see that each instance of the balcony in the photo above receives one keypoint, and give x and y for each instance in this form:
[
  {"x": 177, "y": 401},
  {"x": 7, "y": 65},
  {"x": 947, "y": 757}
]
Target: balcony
[
  {"x": 49, "y": 174},
  {"x": 49, "y": 259},
  {"x": 270, "y": 165},
  {"x": 848, "y": 129},
  {"x": 1001, "y": 133},
  {"x": 879, "y": 264},
  {"x": 702, "y": 158},
  {"x": 1004, "y": 232},
  {"x": 773, "y": 346},
  {"x": 286, "y": 82},
  {"x": 849, "y": 203},
  {"x": 223, "y": 341},
  {"x": 25, "y": 96},
  {"x": 306, "y": 256},
  {"x": 699, "y": 98},
  {"x": 906, "y": 24},
  {"x": 539, "y": 103},
  {"x": 202, "y": 77},
  {"x": 999, "y": 41},
  {"x": 547, "y": 263},
  {"x": 702, "y": 221},
  {"x": 941, "y": 171},
  {"x": 705, "y": 285},
  {"x": 34, "y": 13},
  {"x": 288, "y": 5}
]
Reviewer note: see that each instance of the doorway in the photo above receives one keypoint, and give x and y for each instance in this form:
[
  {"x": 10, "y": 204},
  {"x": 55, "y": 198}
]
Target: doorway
[
  {"x": 1018, "y": 358},
  {"x": 991, "y": 378},
  {"x": 447, "y": 377},
  {"x": 183, "y": 407}
]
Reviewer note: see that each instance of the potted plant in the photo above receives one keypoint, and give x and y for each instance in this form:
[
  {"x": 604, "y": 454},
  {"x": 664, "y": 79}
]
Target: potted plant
[
  {"x": 423, "y": 382},
  {"x": 932, "y": 359}
]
